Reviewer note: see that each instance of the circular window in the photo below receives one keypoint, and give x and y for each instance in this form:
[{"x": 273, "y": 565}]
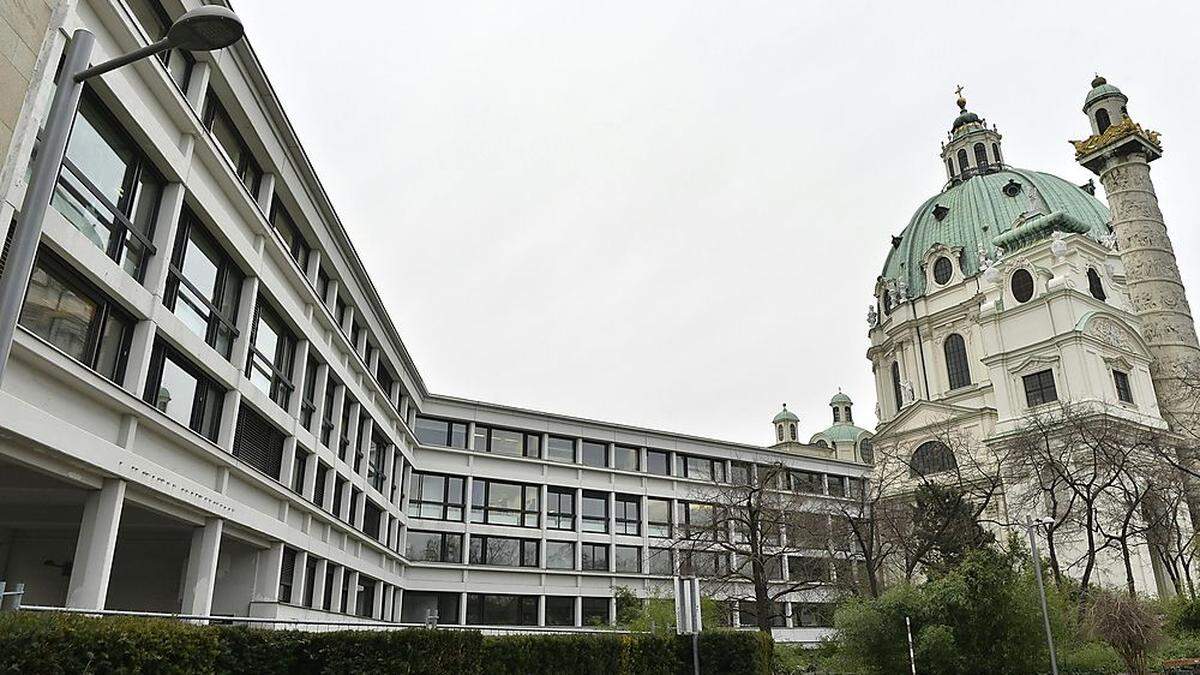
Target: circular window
[
  {"x": 942, "y": 270},
  {"x": 1022, "y": 285}
]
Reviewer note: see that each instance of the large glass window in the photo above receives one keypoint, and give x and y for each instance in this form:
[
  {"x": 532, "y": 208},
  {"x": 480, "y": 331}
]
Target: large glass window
[
  {"x": 203, "y": 286},
  {"x": 236, "y": 150},
  {"x": 661, "y": 561},
  {"x": 594, "y": 454},
  {"x": 628, "y": 514},
  {"x": 108, "y": 189},
  {"x": 700, "y": 468},
  {"x": 499, "y": 503},
  {"x": 327, "y": 411},
  {"x": 594, "y": 512},
  {"x": 957, "y": 370},
  {"x": 154, "y": 21},
  {"x": 560, "y": 509},
  {"x": 560, "y": 610},
  {"x": 293, "y": 240},
  {"x": 1039, "y": 388},
  {"x": 506, "y": 442},
  {"x": 658, "y": 462},
  {"x": 812, "y": 614},
  {"x": 501, "y": 610},
  {"x": 625, "y": 458},
  {"x": 561, "y": 449},
  {"x": 442, "y": 433},
  {"x": 932, "y": 457},
  {"x": 560, "y": 555},
  {"x": 418, "y": 606},
  {"x": 272, "y": 352},
  {"x": 435, "y": 497},
  {"x": 64, "y": 310},
  {"x": 503, "y": 551},
  {"x": 658, "y": 517},
  {"x": 697, "y": 518},
  {"x": 593, "y": 557},
  {"x": 808, "y": 482},
  {"x": 308, "y": 401},
  {"x": 594, "y": 611},
  {"x": 627, "y": 559},
  {"x": 434, "y": 546},
  {"x": 182, "y": 392}
]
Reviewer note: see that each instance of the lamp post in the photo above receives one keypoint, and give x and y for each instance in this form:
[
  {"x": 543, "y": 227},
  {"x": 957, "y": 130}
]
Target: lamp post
[
  {"x": 1031, "y": 525},
  {"x": 202, "y": 29}
]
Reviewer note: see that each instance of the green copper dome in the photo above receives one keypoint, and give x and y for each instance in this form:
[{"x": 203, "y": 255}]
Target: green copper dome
[
  {"x": 840, "y": 433},
  {"x": 973, "y": 213},
  {"x": 785, "y": 415},
  {"x": 1100, "y": 89},
  {"x": 840, "y": 399}
]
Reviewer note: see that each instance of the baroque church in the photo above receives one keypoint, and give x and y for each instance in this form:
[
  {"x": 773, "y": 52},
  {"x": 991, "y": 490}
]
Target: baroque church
[{"x": 1012, "y": 293}]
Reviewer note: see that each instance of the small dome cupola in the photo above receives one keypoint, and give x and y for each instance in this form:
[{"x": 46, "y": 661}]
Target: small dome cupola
[
  {"x": 971, "y": 147},
  {"x": 1104, "y": 105},
  {"x": 785, "y": 426},
  {"x": 841, "y": 405}
]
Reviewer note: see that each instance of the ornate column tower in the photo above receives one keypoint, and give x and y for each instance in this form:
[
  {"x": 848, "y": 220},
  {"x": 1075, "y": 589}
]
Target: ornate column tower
[{"x": 1120, "y": 151}]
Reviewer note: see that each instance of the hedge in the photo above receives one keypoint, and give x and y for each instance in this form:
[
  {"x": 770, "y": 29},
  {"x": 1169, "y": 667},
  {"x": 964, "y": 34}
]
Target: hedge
[{"x": 62, "y": 643}]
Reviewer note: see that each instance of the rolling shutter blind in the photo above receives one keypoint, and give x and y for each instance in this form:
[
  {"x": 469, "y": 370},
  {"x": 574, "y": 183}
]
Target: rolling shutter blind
[{"x": 258, "y": 443}]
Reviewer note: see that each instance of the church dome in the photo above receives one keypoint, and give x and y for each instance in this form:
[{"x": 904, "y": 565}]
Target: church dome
[
  {"x": 785, "y": 415},
  {"x": 1100, "y": 89},
  {"x": 840, "y": 399},
  {"x": 972, "y": 213}
]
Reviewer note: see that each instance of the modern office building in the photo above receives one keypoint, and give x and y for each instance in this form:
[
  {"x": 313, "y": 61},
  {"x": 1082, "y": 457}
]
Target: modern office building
[{"x": 209, "y": 410}]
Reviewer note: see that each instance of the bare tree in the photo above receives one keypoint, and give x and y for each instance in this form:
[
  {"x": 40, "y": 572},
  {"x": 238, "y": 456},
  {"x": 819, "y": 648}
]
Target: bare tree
[{"x": 738, "y": 536}]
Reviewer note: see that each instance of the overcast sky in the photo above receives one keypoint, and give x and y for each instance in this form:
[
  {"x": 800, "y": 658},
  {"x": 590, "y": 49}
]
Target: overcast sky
[{"x": 672, "y": 214}]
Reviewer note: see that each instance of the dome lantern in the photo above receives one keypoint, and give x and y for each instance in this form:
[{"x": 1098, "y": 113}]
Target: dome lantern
[
  {"x": 972, "y": 148},
  {"x": 841, "y": 405},
  {"x": 785, "y": 422}
]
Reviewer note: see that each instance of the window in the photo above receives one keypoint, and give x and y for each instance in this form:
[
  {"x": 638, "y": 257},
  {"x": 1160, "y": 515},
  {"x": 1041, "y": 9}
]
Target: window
[
  {"x": 739, "y": 473},
  {"x": 1103, "y": 121},
  {"x": 661, "y": 561},
  {"x": 806, "y": 529},
  {"x": 1094, "y": 286},
  {"x": 803, "y": 569},
  {"x": 595, "y": 512},
  {"x": 344, "y": 430},
  {"x": 420, "y": 605},
  {"x": 372, "y": 519},
  {"x": 257, "y": 442},
  {"x": 503, "y": 551},
  {"x": 272, "y": 352},
  {"x": 897, "y": 391},
  {"x": 1039, "y": 388},
  {"x": 807, "y": 482},
  {"x": 955, "y": 349},
  {"x": 561, "y": 449},
  {"x": 501, "y": 610},
  {"x": 593, "y": 557},
  {"x": 64, "y": 310},
  {"x": 434, "y": 546},
  {"x": 339, "y": 487},
  {"x": 442, "y": 433},
  {"x": 182, "y": 392},
  {"x": 375, "y": 458},
  {"x": 837, "y": 414},
  {"x": 837, "y": 486},
  {"x": 154, "y": 21},
  {"x": 627, "y": 559},
  {"x": 500, "y": 503},
  {"x": 506, "y": 442},
  {"x": 560, "y": 555},
  {"x": 560, "y": 509},
  {"x": 658, "y": 517},
  {"x": 748, "y": 614},
  {"x": 299, "y": 466},
  {"x": 658, "y": 462},
  {"x": 932, "y": 457},
  {"x": 231, "y": 143},
  {"x": 594, "y": 611},
  {"x": 308, "y": 400},
  {"x": 950, "y": 166},
  {"x": 981, "y": 159},
  {"x": 625, "y": 458},
  {"x": 1124, "y": 392},
  {"x": 628, "y": 514},
  {"x": 594, "y": 454},
  {"x": 943, "y": 269},
  {"x": 560, "y": 610},
  {"x": 203, "y": 286},
  {"x": 996, "y": 153},
  {"x": 696, "y": 518},
  {"x": 383, "y": 375},
  {"x": 108, "y": 189},
  {"x": 318, "y": 497},
  {"x": 327, "y": 412},
  {"x": 962, "y": 160},
  {"x": 1022, "y": 285},
  {"x": 700, "y": 468},
  {"x": 435, "y": 497},
  {"x": 287, "y": 573},
  {"x": 364, "y": 604},
  {"x": 293, "y": 241},
  {"x": 703, "y": 563},
  {"x": 812, "y": 615}
]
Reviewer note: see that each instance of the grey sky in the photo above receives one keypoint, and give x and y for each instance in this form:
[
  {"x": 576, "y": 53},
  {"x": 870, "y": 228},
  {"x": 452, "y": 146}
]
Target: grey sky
[{"x": 672, "y": 214}]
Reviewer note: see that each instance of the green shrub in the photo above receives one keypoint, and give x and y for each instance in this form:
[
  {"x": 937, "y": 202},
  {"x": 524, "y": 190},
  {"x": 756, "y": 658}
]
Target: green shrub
[
  {"x": 1183, "y": 614},
  {"x": 60, "y": 643},
  {"x": 1089, "y": 658}
]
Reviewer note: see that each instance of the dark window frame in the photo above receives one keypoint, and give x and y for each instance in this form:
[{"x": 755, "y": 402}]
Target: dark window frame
[
  {"x": 280, "y": 364},
  {"x": 483, "y": 512},
  {"x": 1040, "y": 388},
  {"x": 246, "y": 166},
  {"x": 958, "y": 369},
  {"x": 1123, "y": 386},
  {"x": 448, "y": 501},
  {"x": 229, "y": 280}
]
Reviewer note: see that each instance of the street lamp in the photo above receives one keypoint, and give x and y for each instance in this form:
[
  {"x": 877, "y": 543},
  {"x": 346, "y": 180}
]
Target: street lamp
[
  {"x": 202, "y": 29},
  {"x": 1030, "y": 526}
]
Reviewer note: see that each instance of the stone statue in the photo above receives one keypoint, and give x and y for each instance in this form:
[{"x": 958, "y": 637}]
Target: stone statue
[
  {"x": 872, "y": 316},
  {"x": 906, "y": 392},
  {"x": 1057, "y": 246}
]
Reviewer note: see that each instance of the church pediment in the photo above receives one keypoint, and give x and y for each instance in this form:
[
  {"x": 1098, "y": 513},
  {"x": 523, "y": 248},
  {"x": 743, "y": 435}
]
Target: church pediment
[
  {"x": 921, "y": 415},
  {"x": 1112, "y": 331}
]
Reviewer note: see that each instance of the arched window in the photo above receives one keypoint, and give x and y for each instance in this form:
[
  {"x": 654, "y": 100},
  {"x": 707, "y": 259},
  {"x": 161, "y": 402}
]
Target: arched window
[
  {"x": 1102, "y": 120},
  {"x": 837, "y": 414},
  {"x": 950, "y": 166},
  {"x": 792, "y": 431},
  {"x": 996, "y": 153},
  {"x": 867, "y": 451},
  {"x": 1094, "y": 286},
  {"x": 896, "y": 385},
  {"x": 779, "y": 432},
  {"x": 848, "y": 417},
  {"x": 887, "y": 302},
  {"x": 1022, "y": 285},
  {"x": 956, "y": 361},
  {"x": 931, "y": 457},
  {"x": 962, "y": 160},
  {"x": 822, "y": 444},
  {"x": 981, "y": 155}
]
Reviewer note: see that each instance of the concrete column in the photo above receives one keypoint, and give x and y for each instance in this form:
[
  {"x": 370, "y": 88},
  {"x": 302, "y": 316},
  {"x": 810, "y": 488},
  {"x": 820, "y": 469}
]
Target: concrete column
[
  {"x": 92, "y": 568},
  {"x": 166, "y": 225},
  {"x": 338, "y": 583},
  {"x": 351, "y": 580},
  {"x": 300, "y": 578},
  {"x": 229, "y": 415},
  {"x": 201, "y": 572},
  {"x": 318, "y": 596},
  {"x": 346, "y": 320},
  {"x": 137, "y": 370},
  {"x": 310, "y": 478},
  {"x": 377, "y": 597},
  {"x": 365, "y": 428},
  {"x": 331, "y": 299},
  {"x": 394, "y": 396},
  {"x": 541, "y": 609},
  {"x": 314, "y": 266},
  {"x": 339, "y": 400},
  {"x": 388, "y": 608},
  {"x": 299, "y": 366},
  {"x": 266, "y": 193},
  {"x": 319, "y": 399},
  {"x": 268, "y": 571},
  {"x": 287, "y": 461},
  {"x": 198, "y": 85},
  {"x": 245, "y": 323}
]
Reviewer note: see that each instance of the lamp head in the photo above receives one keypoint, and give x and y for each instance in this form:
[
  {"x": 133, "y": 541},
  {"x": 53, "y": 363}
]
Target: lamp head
[{"x": 205, "y": 28}]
